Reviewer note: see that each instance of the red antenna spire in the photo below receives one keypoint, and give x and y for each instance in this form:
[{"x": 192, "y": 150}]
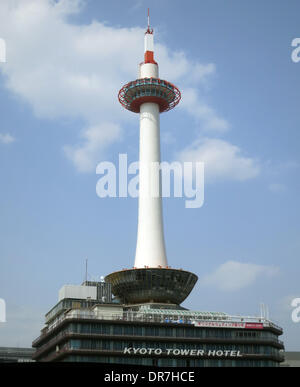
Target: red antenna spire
[{"x": 149, "y": 30}]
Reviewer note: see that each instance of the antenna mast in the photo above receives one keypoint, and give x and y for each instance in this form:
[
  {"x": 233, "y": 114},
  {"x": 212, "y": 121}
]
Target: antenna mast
[
  {"x": 86, "y": 268},
  {"x": 149, "y": 30}
]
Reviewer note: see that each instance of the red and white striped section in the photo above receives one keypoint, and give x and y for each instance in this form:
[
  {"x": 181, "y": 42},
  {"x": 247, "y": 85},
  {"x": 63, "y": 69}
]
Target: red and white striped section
[{"x": 149, "y": 68}]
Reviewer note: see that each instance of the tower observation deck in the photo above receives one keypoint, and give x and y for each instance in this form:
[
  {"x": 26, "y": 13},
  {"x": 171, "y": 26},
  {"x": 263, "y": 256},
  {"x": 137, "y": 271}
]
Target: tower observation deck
[{"x": 151, "y": 279}]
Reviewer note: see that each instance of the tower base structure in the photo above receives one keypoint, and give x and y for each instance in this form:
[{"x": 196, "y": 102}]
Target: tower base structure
[
  {"x": 158, "y": 285},
  {"x": 154, "y": 334}
]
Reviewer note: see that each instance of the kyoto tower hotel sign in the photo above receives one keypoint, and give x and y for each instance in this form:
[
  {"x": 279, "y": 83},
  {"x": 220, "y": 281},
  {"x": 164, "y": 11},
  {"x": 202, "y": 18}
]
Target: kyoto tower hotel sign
[{"x": 151, "y": 279}]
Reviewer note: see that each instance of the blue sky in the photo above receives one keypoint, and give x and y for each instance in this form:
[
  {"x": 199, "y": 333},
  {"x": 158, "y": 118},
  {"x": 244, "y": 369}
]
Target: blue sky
[{"x": 60, "y": 117}]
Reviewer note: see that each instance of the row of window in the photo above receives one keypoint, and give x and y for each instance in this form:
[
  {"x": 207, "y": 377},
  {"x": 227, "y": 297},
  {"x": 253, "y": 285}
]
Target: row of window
[
  {"x": 149, "y": 92},
  {"x": 150, "y": 81},
  {"x": 168, "y": 362},
  {"x": 188, "y": 332},
  {"x": 68, "y": 304}
]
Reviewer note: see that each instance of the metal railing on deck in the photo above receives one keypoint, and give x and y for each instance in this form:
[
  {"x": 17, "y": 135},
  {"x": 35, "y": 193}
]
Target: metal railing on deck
[{"x": 155, "y": 318}]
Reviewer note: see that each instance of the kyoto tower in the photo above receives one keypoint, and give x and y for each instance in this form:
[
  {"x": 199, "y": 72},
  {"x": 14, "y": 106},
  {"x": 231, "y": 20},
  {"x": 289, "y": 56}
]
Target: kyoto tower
[{"x": 151, "y": 279}]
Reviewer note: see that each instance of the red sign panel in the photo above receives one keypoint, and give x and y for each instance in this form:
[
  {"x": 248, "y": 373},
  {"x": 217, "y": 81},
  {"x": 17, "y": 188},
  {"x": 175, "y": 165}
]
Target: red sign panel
[
  {"x": 254, "y": 326},
  {"x": 225, "y": 324}
]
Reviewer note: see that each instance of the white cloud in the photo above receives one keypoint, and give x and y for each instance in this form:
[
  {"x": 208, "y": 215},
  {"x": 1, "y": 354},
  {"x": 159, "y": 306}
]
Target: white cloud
[
  {"x": 167, "y": 137},
  {"x": 222, "y": 160},
  {"x": 68, "y": 70},
  {"x": 208, "y": 119},
  {"x": 86, "y": 155},
  {"x": 201, "y": 72},
  {"x": 75, "y": 71},
  {"x": 233, "y": 275},
  {"x": 176, "y": 66},
  {"x": 6, "y": 138},
  {"x": 63, "y": 69}
]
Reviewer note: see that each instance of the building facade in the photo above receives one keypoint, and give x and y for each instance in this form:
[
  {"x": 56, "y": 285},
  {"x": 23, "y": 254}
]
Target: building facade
[
  {"x": 16, "y": 355},
  {"x": 154, "y": 335}
]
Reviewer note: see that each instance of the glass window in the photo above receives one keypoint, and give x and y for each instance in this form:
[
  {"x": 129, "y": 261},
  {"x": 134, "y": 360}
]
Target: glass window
[
  {"x": 179, "y": 332},
  {"x": 137, "y": 331},
  {"x": 117, "y": 330},
  {"x": 75, "y": 344},
  {"x": 117, "y": 345},
  {"x": 106, "y": 344},
  {"x": 128, "y": 330},
  {"x": 85, "y": 328},
  {"x": 105, "y": 329}
]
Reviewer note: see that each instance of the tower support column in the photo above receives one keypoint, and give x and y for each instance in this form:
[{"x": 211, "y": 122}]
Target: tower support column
[{"x": 150, "y": 249}]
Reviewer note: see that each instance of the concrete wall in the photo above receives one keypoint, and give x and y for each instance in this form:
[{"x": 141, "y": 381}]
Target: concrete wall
[{"x": 78, "y": 292}]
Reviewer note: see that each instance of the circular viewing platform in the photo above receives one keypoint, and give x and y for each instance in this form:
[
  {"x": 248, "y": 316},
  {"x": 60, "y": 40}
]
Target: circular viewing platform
[
  {"x": 144, "y": 285},
  {"x": 155, "y": 90}
]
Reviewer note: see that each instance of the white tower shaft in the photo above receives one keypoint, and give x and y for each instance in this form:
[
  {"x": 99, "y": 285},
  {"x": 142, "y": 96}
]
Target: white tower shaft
[
  {"x": 150, "y": 249},
  {"x": 151, "y": 279}
]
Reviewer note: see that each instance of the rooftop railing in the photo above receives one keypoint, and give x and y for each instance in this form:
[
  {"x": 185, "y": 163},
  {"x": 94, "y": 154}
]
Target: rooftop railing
[{"x": 193, "y": 318}]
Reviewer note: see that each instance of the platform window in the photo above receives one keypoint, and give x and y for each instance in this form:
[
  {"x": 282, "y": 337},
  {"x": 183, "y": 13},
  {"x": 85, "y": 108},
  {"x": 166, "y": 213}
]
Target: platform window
[{"x": 117, "y": 330}]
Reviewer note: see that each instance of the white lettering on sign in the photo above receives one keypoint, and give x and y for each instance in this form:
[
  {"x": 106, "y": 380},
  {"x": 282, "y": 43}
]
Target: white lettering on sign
[
  {"x": 218, "y": 324},
  {"x": 296, "y": 51},
  {"x": 181, "y": 352}
]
